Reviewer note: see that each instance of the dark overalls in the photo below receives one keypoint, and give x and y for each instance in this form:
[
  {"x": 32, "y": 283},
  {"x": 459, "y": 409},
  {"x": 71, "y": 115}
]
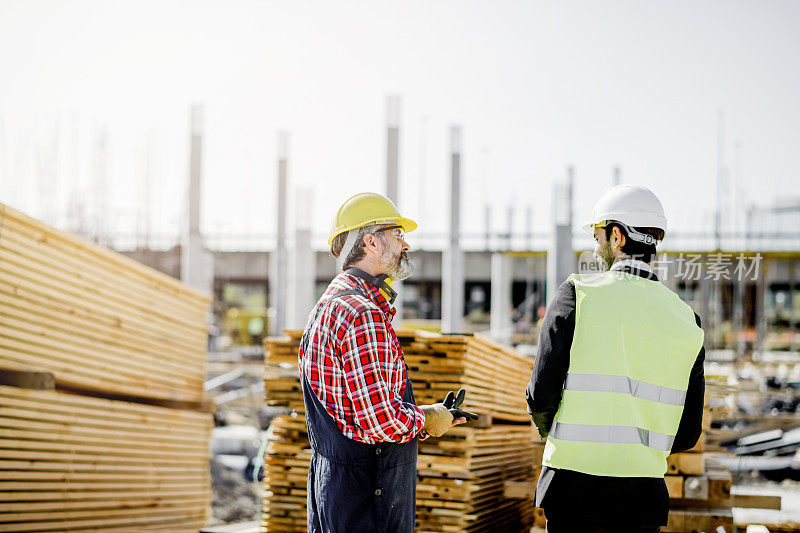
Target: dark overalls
[{"x": 355, "y": 487}]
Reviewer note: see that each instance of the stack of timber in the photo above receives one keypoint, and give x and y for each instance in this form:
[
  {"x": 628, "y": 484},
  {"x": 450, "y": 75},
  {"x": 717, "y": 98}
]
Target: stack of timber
[
  {"x": 699, "y": 486},
  {"x": 77, "y": 463},
  {"x": 95, "y": 319},
  {"x": 461, "y": 476},
  {"x": 104, "y": 424}
]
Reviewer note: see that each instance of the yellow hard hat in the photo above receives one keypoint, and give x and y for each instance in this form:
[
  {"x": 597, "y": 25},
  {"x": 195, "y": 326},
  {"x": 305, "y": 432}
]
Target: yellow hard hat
[{"x": 367, "y": 208}]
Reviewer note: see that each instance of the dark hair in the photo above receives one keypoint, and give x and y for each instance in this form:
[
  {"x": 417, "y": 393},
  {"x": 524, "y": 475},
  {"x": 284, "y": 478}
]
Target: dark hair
[{"x": 636, "y": 249}]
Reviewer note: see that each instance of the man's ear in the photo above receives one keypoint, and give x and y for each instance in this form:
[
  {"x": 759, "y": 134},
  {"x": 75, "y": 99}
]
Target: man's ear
[
  {"x": 620, "y": 236},
  {"x": 370, "y": 243}
]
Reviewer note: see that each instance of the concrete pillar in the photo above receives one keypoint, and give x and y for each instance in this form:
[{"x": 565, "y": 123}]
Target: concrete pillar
[
  {"x": 453, "y": 256},
  {"x": 278, "y": 278},
  {"x": 792, "y": 310},
  {"x": 761, "y": 297},
  {"x": 529, "y": 228},
  {"x": 560, "y": 257},
  {"x": 739, "y": 289},
  {"x": 392, "y": 181},
  {"x": 487, "y": 224},
  {"x": 501, "y": 279},
  {"x": 510, "y": 222},
  {"x": 302, "y": 273},
  {"x": 197, "y": 264}
]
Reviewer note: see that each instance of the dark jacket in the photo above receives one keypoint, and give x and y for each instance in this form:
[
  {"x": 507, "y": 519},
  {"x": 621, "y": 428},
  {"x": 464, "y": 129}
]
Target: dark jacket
[{"x": 583, "y": 496}]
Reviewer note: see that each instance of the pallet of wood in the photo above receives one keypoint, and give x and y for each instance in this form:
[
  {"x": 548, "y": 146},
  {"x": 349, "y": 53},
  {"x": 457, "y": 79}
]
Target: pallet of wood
[
  {"x": 77, "y": 463},
  {"x": 461, "y": 476},
  {"x": 104, "y": 422},
  {"x": 95, "y": 319},
  {"x": 699, "y": 487}
]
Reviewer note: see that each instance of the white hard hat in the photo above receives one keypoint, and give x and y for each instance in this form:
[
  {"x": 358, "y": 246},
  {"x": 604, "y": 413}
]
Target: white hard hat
[{"x": 633, "y": 205}]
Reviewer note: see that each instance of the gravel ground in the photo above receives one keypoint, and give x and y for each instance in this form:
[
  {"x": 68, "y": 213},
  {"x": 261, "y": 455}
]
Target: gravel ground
[{"x": 233, "y": 498}]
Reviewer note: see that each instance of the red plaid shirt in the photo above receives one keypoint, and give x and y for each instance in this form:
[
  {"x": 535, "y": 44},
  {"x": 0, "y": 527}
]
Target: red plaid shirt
[{"x": 355, "y": 366}]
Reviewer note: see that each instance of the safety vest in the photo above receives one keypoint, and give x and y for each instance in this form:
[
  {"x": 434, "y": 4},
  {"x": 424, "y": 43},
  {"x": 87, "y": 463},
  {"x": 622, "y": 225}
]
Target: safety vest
[{"x": 634, "y": 346}]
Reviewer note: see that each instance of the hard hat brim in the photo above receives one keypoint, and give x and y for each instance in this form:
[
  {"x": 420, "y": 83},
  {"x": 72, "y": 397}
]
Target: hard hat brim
[
  {"x": 407, "y": 224},
  {"x": 637, "y": 220}
]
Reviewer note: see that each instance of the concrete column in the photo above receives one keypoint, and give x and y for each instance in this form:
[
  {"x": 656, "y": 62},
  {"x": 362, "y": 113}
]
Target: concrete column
[
  {"x": 197, "y": 265},
  {"x": 500, "y": 318},
  {"x": 792, "y": 310},
  {"x": 453, "y": 256},
  {"x": 392, "y": 181},
  {"x": 761, "y": 321},
  {"x": 278, "y": 278},
  {"x": 529, "y": 228},
  {"x": 560, "y": 257},
  {"x": 302, "y": 273}
]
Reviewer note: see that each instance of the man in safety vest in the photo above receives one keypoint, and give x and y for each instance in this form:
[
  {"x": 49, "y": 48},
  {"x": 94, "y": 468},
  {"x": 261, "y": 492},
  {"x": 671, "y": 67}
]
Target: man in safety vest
[
  {"x": 618, "y": 381},
  {"x": 363, "y": 423}
]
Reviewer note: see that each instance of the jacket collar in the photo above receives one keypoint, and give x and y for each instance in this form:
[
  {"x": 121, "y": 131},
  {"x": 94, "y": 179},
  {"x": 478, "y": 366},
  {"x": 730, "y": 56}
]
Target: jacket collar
[
  {"x": 635, "y": 267},
  {"x": 369, "y": 290}
]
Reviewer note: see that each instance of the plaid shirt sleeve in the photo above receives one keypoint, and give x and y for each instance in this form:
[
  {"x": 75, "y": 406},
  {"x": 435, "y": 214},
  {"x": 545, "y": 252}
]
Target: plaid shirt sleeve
[{"x": 374, "y": 382}]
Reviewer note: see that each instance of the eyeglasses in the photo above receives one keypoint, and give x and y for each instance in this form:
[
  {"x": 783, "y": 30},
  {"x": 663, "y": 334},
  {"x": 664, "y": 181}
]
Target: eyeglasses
[{"x": 397, "y": 231}]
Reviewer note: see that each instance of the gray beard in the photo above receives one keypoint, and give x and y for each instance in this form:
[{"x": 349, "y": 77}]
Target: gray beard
[{"x": 398, "y": 268}]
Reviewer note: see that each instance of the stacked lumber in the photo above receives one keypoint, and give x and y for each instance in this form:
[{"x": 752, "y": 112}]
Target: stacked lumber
[
  {"x": 699, "y": 487},
  {"x": 104, "y": 424},
  {"x": 288, "y": 452},
  {"x": 76, "y": 463},
  {"x": 97, "y": 320},
  {"x": 461, "y": 476}
]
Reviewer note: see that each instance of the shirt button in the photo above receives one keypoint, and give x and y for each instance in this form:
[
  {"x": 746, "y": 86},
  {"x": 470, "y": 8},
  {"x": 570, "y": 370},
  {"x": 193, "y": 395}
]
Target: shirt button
[
  {"x": 378, "y": 492},
  {"x": 377, "y": 451}
]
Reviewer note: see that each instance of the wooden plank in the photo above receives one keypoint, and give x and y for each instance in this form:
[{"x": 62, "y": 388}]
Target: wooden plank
[
  {"x": 91, "y": 252},
  {"x": 27, "y": 380},
  {"x": 519, "y": 489},
  {"x": 674, "y": 486},
  {"x": 686, "y": 463},
  {"x": 75, "y": 268},
  {"x": 97, "y": 321},
  {"x": 19, "y": 270}
]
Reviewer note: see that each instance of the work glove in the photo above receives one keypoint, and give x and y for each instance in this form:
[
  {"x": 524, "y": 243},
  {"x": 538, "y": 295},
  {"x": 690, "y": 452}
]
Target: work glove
[
  {"x": 438, "y": 419},
  {"x": 453, "y": 402}
]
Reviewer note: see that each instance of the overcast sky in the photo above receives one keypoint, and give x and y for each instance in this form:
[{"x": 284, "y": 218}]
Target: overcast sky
[{"x": 536, "y": 86}]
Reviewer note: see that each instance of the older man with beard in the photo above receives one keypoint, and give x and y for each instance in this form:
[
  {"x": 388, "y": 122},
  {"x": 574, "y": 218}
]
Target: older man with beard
[{"x": 362, "y": 420}]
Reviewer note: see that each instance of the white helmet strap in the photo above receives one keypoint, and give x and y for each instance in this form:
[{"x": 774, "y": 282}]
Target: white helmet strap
[
  {"x": 636, "y": 235},
  {"x": 347, "y": 248}
]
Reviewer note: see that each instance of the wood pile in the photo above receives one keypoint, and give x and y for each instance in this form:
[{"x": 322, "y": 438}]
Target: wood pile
[
  {"x": 104, "y": 424},
  {"x": 699, "y": 487},
  {"x": 461, "y": 476},
  {"x": 96, "y": 319},
  {"x": 76, "y": 463}
]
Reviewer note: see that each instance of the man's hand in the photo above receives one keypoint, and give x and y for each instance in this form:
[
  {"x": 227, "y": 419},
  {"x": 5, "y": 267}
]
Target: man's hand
[
  {"x": 438, "y": 419},
  {"x": 453, "y": 402}
]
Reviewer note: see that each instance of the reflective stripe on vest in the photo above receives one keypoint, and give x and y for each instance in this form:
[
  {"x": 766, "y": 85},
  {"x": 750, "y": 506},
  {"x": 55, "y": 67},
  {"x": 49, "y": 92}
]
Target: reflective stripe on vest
[
  {"x": 613, "y": 434},
  {"x": 625, "y": 385},
  {"x": 633, "y": 348}
]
